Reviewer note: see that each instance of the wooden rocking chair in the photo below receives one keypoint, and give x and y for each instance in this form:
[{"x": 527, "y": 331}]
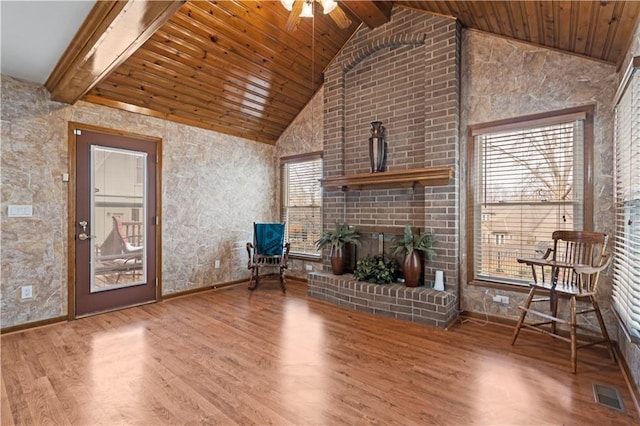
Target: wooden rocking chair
[{"x": 268, "y": 250}]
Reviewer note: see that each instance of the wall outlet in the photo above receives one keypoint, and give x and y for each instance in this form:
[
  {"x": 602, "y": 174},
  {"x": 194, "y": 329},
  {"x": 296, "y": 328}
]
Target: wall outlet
[
  {"x": 308, "y": 267},
  {"x": 217, "y": 264},
  {"x": 501, "y": 299},
  {"x": 27, "y": 291}
]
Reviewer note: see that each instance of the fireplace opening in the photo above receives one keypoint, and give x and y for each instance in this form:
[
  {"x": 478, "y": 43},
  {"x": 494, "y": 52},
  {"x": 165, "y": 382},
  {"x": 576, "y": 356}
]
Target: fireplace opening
[{"x": 375, "y": 240}]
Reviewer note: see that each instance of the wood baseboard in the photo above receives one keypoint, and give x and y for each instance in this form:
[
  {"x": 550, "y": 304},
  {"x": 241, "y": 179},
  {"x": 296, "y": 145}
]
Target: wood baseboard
[
  {"x": 300, "y": 280},
  {"x": 628, "y": 377},
  {"x": 201, "y": 289},
  {"x": 34, "y": 324},
  {"x": 219, "y": 287}
]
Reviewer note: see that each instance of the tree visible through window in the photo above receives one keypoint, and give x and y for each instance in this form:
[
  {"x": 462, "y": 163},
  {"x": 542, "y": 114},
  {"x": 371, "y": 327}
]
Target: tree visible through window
[
  {"x": 302, "y": 202},
  {"x": 528, "y": 178}
]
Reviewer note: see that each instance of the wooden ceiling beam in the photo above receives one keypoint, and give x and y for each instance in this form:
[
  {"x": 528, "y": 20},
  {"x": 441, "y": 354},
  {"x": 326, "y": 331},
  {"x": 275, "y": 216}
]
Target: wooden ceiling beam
[
  {"x": 112, "y": 31},
  {"x": 372, "y": 13}
]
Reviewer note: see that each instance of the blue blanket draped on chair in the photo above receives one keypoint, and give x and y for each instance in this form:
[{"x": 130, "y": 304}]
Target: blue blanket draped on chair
[
  {"x": 269, "y": 251},
  {"x": 269, "y": 238}
]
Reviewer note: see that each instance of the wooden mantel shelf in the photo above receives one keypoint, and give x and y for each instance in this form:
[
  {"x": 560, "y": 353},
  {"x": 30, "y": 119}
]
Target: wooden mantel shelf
[{"x": 432, "y": 176}]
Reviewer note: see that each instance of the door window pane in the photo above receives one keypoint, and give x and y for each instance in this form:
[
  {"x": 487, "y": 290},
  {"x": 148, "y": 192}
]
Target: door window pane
[{"x": 118, "y": 212}]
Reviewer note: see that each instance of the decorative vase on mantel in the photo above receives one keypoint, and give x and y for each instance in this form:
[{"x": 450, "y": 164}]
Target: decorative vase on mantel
[{"x": 377, "y": 147}]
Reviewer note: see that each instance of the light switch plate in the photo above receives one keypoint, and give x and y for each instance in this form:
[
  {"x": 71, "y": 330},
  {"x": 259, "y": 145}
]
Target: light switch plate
[{"x": 20, "y": 210}]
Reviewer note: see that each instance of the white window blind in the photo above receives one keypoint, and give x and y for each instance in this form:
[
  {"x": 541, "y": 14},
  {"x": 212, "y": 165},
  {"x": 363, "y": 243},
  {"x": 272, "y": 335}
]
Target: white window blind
[
  {"x": 626, "y": 280},
  {"x": 528, "y": 182},
  {"x": 302, "y": 203}
]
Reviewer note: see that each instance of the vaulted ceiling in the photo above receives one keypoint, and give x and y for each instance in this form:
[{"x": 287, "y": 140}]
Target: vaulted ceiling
[{"x": 247, "y": 68}]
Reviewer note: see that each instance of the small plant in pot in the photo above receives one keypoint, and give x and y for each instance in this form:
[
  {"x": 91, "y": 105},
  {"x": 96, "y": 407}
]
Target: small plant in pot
[
  {"x": 376, "y": 269},
  {"x": 342, "y": 235},
  {"x": 411, "y": 245}
]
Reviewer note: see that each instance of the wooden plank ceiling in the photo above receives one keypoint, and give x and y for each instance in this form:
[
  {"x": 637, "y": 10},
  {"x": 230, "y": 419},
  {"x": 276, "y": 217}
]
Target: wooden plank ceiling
[
  {"x": 229, "y": 66},
  {"x": 247, "y": 68},
  {"x": 597, "y": 29}
]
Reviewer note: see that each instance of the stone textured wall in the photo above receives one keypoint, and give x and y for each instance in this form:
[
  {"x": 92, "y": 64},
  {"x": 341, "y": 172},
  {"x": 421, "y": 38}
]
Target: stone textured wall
[
  {"x": 203, "y": 217},
  {"x": 303, "y": 136},
  {"x": 503, "y": 79},
  {"x": 405, "y": 74}
]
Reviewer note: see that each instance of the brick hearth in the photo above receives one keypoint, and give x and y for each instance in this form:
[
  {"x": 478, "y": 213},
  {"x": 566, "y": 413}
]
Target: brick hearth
[{"x": 417, "y": 304}]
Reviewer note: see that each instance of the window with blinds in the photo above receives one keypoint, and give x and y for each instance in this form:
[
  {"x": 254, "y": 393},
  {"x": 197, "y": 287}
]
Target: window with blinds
[
  {"x": 626, "y": 278},
  {"x": 528, "y": 180},
  {"x": 302, "y": 202}
]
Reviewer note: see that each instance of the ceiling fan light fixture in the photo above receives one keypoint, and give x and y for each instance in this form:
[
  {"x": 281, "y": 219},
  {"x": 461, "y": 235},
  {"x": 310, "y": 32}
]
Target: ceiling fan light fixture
[
  {"x": 307, "y": 9},
  {"x": 288, "y": 4},
  {"x": 328, "y": 6}
]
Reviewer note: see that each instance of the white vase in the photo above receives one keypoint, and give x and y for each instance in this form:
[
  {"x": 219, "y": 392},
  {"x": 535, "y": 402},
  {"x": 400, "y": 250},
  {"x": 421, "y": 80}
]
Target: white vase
[{"x": 439, "y": 283}]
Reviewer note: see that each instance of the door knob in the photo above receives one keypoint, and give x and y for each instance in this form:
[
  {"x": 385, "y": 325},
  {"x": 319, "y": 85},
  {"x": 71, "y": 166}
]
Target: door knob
[{"x": 84, "y": 236}]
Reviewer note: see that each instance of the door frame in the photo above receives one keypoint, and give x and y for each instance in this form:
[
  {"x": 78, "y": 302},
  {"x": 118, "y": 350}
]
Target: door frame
[{"x": 72, "y": 219}]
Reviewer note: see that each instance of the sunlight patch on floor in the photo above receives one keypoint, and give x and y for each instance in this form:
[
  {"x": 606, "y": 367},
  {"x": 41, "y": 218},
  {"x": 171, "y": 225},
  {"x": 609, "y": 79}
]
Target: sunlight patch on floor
[{"x": 503, "y": 382}]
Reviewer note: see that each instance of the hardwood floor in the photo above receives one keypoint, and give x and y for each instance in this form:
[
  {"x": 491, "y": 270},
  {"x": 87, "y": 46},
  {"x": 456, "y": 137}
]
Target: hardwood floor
[{"x": 237, "y": 357}]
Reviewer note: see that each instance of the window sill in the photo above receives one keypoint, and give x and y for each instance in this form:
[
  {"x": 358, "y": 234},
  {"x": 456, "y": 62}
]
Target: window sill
[
  {"x": 305, "y": 257},
  {"x": 519, "y": 288}
]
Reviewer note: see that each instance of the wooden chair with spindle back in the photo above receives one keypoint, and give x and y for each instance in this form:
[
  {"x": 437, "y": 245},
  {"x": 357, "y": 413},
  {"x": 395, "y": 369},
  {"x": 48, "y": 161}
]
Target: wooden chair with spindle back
[{"x": 570, "y": 270}]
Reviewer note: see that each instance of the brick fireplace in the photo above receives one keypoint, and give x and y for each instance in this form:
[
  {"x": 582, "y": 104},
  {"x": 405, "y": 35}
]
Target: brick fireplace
[{"x": 405, "y": 74}]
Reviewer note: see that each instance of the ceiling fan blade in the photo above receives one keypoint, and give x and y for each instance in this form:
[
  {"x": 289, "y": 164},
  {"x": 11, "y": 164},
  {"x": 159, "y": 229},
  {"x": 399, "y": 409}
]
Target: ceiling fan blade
[
  {"x": 340, "y": 18},
  {"x": 294, "y": 16}
]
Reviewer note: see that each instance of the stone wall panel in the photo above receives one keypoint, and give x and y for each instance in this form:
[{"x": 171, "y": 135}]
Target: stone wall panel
[
  {"x": 203, "y": 218},
  {"x": 505, "y": 79}
]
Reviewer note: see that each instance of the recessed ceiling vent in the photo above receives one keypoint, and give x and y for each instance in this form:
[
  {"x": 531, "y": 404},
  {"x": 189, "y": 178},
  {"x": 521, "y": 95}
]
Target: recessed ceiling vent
[{"x": 608, "y": 396}]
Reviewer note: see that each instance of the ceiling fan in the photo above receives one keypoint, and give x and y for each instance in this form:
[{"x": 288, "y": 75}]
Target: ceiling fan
[{"x": 304, "y": 9}]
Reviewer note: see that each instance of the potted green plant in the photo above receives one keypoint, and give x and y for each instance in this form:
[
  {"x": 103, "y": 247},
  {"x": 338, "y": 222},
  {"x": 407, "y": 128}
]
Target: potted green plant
[
  {"x": 376, "y": 269},
  {"x": 342, "y": 235},
  {"x": 411, "y": 245}
]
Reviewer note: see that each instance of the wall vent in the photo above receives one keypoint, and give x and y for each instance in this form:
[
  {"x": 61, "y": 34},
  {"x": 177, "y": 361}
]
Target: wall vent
[{"x": 606, "y": 395}]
